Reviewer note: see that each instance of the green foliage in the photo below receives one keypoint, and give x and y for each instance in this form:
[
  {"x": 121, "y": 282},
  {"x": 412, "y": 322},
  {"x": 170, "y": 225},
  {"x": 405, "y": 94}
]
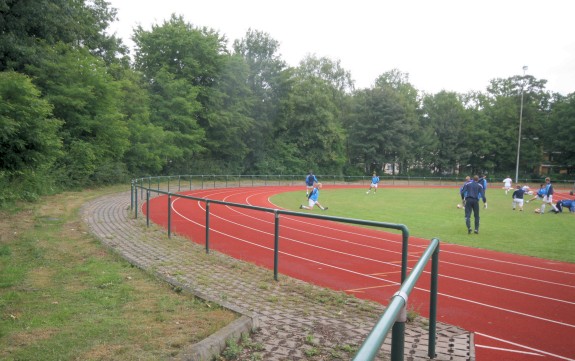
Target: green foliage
[
  {"x": 86, "y": 98},
  {"x": 28, "y": 132},
  {"x": 28, "y": 26},
  {"x": 562, "y": 130},
  {"x": 84, "y": 115},
  {"x": 448, "y": 118}
]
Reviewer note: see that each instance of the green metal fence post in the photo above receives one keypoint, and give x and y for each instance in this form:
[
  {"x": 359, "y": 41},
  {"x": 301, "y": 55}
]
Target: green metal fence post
[
  {"x": 398, "y": 331},
  {"x": 276, "y": 243},
  {"x": 433, "y": 303},
  {"x": 207, "y": 226},
  {"x": 147, "y": 208},
  {"x": 169, "y": 215},
  {"x": 404, "y": 248},
  {"x": 136, "y": 204},
  {"x": 132, "y": 196}
]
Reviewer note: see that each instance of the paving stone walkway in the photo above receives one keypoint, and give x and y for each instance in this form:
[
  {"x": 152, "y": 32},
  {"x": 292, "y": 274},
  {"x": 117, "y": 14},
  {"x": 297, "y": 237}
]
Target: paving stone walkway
[{"x": 288, "y": 319}]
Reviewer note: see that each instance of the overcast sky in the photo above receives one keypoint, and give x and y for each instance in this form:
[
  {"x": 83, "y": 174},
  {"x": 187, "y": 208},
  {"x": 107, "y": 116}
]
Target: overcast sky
[{"x": 454, "y": 45}]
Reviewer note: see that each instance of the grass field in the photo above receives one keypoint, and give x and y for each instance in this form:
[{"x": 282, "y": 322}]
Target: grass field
[{"x": 432, "y": 212}]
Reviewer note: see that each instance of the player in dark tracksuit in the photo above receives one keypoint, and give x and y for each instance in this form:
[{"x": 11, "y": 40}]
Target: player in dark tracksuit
[
  {"x": 472, "y": 191},
  {"x": 566, "y": 203},
  {"x": 310, "y": 180}
]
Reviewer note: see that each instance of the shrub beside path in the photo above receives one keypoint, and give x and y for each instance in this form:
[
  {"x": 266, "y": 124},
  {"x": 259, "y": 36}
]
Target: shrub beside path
[{"x": 287, "y": 319}]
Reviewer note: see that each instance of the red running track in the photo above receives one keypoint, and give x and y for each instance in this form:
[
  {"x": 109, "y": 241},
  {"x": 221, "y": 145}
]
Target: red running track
[{"x": 519, "y": 307}]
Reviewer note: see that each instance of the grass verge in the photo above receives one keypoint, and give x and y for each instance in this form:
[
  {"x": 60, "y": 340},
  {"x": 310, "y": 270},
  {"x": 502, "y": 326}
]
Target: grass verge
[{"x": 63, "y": 296}]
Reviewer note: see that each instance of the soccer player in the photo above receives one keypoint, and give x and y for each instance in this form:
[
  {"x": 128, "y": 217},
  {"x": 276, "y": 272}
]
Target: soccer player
[
  {"x": 483, "y": 181},
  {"x": 313, "y": 199},
  {"x": 374, "y": 183},
  {"x": 539, "y": 195},
  {"x": 548, "y": 198},
  {"x": 566, "y": 203},
  {"x": 472, "y": 191},
  {"x": 310, "y": 180},
  {"x": 507, "y": 184},
  {"x": 518, "y": 198}
]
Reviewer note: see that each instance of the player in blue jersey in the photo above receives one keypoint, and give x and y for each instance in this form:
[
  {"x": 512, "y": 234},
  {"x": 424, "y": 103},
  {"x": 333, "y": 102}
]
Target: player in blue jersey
[
  {"x": 374, "y": 183},
  {"x": 313, "y": 199},
  {"x": 539, "y": 195},
  {"x": 483, "y": 181},
  {"x": 310, "y": 180},
  {"x": 548, "y": 198},
  {"x": 566, "y": 203}
]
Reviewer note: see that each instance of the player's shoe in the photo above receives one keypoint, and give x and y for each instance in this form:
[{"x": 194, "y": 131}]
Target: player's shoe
[
  {"x": 476, "y": 231},
  {"x": 301, "y": 206},
  {"x": 469, "y": 231},
  {"x": 325, "y": 209}
]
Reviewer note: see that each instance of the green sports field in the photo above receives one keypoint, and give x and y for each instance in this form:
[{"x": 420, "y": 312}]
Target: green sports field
[{"x": 432, "y": 212}]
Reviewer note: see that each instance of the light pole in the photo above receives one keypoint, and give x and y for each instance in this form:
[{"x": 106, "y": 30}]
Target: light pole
[{"x": 520, "y": 122}]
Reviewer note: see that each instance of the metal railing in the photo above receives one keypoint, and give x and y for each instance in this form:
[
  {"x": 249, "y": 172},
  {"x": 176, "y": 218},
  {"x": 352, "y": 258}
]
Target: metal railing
[
  {"x": 276, "y": 212},
  {"x": 394, "y": 317},
  {"x": 395, "y": 314}
]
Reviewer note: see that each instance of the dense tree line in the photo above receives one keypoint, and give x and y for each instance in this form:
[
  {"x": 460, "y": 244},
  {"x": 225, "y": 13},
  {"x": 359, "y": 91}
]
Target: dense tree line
[{"x": 76, "y": 110}]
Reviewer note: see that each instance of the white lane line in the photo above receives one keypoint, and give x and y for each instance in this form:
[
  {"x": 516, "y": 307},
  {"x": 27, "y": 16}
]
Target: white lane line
[
  {"x": 525, "y": 347},
  {"x": 377, "y": 278},
  {"x": 529, "y": 294}
]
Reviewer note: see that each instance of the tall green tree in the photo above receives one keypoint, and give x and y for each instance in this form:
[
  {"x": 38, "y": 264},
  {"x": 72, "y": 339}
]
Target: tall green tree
[
  {"x": 560, "y": 132},
  {"x": 85, "y": 97},
  {"x": 377, "y": 129},
  {"x": 28, "y": 131},
  {"x": 230, "y": 123},
  {"x": 149, "y": 145},
  {"x": 415, "y": 137},
  {"x": 447, "y": 116},
  {"x": 268, "y": 80},
  {"x": 185, "y": 68},
  {"x": 503, "y": 108},
  {"x": 308, "y": 133},
  {"x": 27, "y": 28}
]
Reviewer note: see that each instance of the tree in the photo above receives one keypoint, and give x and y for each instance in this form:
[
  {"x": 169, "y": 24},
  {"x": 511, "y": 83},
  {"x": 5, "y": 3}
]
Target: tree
[
  {"x": 28, "y": 132},
  {"x": 561, "y": 131},
  {"x": 230, "y": 122},
  {"x": 27, "y": 28},
  {"x": 308, "y": 133},
  {"x": 446, "y": 115},
  {"x": 377, "y": 129},
  {"x": 502, "y": 106},
  {"x": 416, "y": 137},
  {"x": 186, "y": 69},
  {"x": 85, "y": 97},
  {"x": 268, "y": 80}
]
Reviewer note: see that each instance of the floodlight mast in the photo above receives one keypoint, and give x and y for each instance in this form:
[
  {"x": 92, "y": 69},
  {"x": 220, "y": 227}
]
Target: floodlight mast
[{"x": 520, "y": 123}]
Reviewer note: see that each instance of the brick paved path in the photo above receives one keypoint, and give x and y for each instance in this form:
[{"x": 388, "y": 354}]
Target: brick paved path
[{"x": 289, "y": 319}]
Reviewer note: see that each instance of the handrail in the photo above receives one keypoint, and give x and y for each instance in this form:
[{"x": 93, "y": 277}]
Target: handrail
[
  {"x": 395, "y": 315},
  {"x": 277, "y": 212},
  {"x": 396, "y": 311}
]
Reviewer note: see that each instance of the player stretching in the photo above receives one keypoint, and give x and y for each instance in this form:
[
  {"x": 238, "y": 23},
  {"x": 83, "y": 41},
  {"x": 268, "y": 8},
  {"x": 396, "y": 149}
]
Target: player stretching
[{"x": 313, "y": 199}]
